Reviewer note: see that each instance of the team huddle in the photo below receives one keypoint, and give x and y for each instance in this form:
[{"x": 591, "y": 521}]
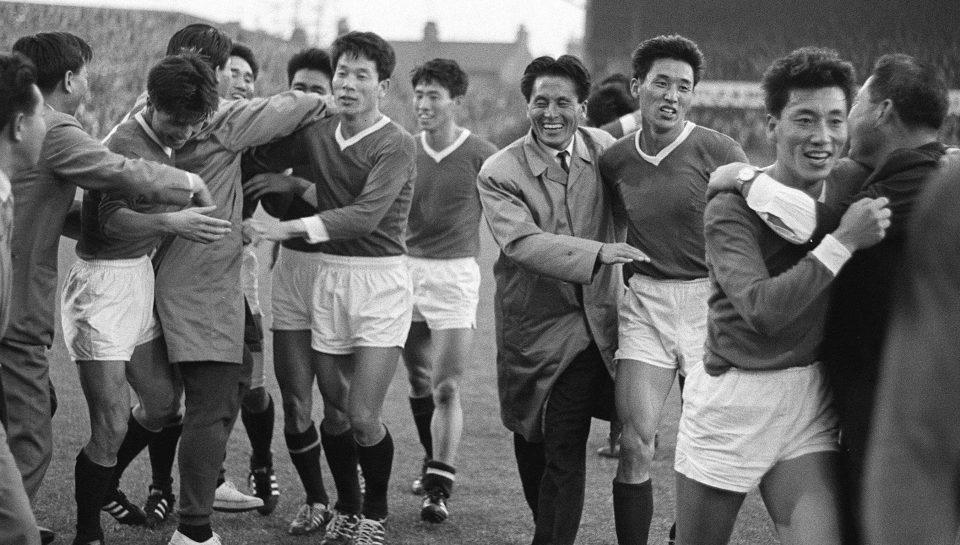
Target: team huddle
[{"x": 624, "y": 264}]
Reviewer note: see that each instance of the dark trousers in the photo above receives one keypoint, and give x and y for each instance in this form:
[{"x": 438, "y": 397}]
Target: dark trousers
[
  {"x": 212, "y": 392},
  {"x": 553, "y": 473},
  {"x": 29, "y": 409}
]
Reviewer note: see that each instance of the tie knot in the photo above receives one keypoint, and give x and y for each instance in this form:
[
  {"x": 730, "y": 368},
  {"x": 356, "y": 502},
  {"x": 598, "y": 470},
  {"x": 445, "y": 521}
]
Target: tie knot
[{"x": 564, "y": 163}]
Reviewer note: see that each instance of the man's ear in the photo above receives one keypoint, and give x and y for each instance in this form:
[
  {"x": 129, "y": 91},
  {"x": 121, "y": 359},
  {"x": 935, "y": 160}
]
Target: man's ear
[
  {"x": 886, "y": 112},
  {"x": 68, "y": 84},
  {"x": 384, "y": 87},
  {"x": 16, "y": 127},
  {"x": 771, "y": 128}
]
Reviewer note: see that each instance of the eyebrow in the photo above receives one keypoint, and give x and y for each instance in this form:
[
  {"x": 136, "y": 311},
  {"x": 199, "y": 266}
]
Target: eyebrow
[{"x": 667, "y": 76}]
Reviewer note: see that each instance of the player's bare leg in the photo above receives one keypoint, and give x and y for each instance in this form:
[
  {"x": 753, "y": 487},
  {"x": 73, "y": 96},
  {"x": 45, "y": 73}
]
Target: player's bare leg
[
  {"x": 373, "y": 370},
  {"x": 641, "y": 391},
  {"x": 802, "y": 498},
  {"x": 418, "y": 361},
  {"x": 295, "y": 372},
  {"x": 105, "y": 390},
  {"x": 705, "y": 515}
]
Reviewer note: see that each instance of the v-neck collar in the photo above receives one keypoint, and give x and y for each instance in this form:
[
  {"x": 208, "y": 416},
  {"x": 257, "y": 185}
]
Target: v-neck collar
[
  {"x": 438, "y": 156},
  {"x": 655, "y": 160},
  {"x": 345, "y": 143},
  {"x": 153, "y": 136}
]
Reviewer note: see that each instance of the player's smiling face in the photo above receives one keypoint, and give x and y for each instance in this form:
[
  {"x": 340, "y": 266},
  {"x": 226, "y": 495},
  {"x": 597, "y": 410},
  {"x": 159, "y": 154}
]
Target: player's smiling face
[
  {"x": 241, "y": 78},
  {"x": 554, "y": 111},
  {"x": 357, "y": 86},
  {"x": 809, "y": 134},
  {"x": 309, "y": 80},
  {"x": 435, "y": 107},
  {"x": 665, "y": 95}
]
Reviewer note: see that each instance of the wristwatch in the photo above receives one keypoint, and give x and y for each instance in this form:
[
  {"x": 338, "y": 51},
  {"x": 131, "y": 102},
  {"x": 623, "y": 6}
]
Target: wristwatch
[{"x": 746, "y": 175}]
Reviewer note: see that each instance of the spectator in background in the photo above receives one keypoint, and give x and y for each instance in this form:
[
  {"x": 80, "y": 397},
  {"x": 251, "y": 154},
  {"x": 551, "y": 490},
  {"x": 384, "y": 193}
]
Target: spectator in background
[{"x": 607, "y": 104}]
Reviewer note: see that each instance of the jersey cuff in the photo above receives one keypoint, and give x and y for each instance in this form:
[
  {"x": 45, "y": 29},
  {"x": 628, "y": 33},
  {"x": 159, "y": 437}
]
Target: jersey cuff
[
  {"x": 832, "y": 254},
  {"x": 788, "y": 211},
  {"x": 316, "y": 231},
  {"x": 194, "y": 182}
]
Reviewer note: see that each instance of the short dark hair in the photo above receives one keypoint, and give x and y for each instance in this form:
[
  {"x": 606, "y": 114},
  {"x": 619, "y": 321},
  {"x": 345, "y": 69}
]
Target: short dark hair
[
  {"x": 917, "y": 89},
  {"x": 608, "y": 103},
  {"x": 445, "y": 73},
  {"x": 806, "y": 68},
  {"x": 311, "y": 59},
  {"x": 369, "y": 45},
  {"x": 564, "y": 66},
  {"x": 17, "y": 77},
  {"x": 245, "y": 53},
  {"x": 211, "y": 43},
  {"x": 54, "y": 54},
  {"x": 674, "y": 47},
  {"x": 184, "y": 87}
]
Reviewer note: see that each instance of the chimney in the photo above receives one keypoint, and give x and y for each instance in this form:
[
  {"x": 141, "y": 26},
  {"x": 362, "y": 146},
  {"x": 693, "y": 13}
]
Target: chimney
[
  {"x": 430, "y": 32},
  {"x": 522, "y": 37}
]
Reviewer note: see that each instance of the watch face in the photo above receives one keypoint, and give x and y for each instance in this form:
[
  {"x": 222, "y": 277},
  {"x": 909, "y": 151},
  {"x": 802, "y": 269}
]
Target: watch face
[{"x": 746, "y": 174}]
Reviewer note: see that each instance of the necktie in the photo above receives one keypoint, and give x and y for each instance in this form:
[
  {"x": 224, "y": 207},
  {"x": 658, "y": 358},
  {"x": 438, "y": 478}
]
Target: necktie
[{"x": 563, "y": 161}]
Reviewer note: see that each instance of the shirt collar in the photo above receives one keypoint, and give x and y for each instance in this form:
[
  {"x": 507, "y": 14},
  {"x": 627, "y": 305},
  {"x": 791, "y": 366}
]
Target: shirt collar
[
  {"x": 5, "y": 188},
  {"x": 655, "y": 160},
  {"x": 555, "y": 153},
  {"x": 345, "y": 143},
  {"x": 153, "y": 136},
  {"x": 438, "y": 156}
]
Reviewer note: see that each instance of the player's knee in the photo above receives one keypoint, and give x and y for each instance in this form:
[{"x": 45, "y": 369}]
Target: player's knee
[
  {"x": 256, "y": 400},
  {"x": 419, "y": 386},
  {"x": 365, "y": 427},
  {"x": 446, "y": 392},
  {"x": 634, "y": 449},
  {"x": 296, "y": 416}
]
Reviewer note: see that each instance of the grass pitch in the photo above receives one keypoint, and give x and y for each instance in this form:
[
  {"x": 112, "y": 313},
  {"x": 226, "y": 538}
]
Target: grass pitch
[{"x": 487, "y": 506}]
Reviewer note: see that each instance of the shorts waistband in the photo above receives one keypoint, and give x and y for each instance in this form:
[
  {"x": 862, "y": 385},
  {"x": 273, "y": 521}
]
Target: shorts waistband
[
  {"x": 815, "y": 366},
  {"x": 668, "y": 281},
  {"x": 435, "y": 260},
  {"x": 364, "y": 262},
  {"x": 115, "y": 263}
]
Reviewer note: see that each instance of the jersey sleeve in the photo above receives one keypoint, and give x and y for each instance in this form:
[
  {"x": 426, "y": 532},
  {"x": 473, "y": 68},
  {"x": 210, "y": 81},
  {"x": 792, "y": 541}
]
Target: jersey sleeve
[{"x": 394, "y": 167}]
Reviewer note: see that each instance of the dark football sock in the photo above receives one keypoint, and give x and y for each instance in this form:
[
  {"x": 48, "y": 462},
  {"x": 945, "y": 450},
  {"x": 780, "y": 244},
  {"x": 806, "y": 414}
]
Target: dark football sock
[
  {"x": 632, "y": 511},
  {"x": 341, "y": 451},
  {"x": 439, "y": 478},
  {"x": 163, "y": 452},
  {"x": 259, "y": 428},
  {"x": 91, "y": 486},
  {"x": 136, "y": 439},
  {"x": 422, "y": 408},
  {"x": 376, "y": 461},
  {"x": 304, "y": 450},
  {"x": 198, "y": 532}
]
